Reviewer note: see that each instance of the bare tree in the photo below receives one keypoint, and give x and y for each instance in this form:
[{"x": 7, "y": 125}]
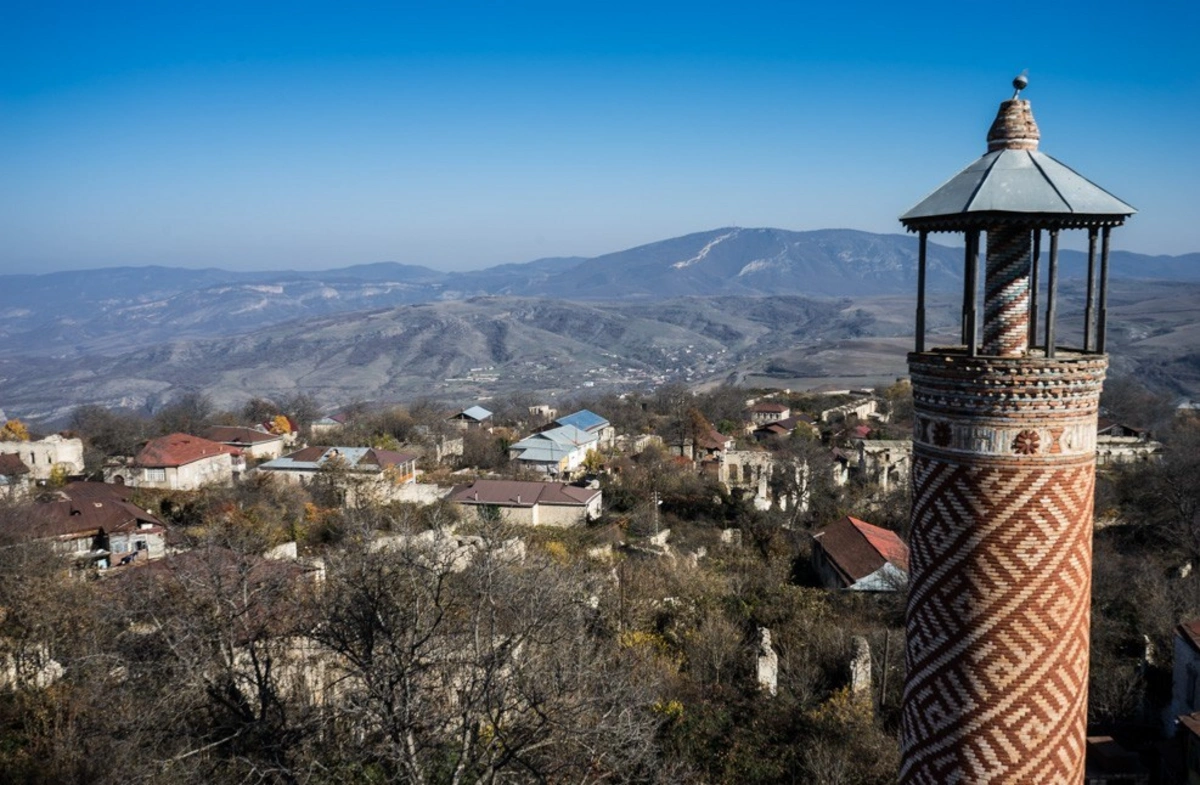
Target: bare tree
[{"x": 479, "y": 672}]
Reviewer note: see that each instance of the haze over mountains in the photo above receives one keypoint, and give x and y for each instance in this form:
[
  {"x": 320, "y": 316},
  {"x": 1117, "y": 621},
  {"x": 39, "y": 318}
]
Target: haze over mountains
[{"x": 690, "y": 307}]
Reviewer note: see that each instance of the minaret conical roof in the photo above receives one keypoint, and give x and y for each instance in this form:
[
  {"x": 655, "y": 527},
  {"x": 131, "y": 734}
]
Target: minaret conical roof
[{"x": 1013, "y": 181}]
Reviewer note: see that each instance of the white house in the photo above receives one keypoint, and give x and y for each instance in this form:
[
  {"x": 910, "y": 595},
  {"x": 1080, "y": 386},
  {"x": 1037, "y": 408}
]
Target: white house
[
  {"x": 532, "y": 503},
  {"x": 178, "y": 462}
]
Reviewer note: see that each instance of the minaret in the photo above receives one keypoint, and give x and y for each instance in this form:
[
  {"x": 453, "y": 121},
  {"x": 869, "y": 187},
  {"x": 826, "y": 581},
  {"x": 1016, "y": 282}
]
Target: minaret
[{"x": 1004, "y": 443}]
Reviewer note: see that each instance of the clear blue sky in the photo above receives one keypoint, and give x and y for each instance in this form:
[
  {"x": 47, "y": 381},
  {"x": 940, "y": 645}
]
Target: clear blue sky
[{"x": 459, "y": 135}]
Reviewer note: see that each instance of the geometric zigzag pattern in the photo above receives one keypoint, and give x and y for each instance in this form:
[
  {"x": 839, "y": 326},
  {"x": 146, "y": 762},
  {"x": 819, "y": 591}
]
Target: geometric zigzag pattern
[
  {"x": 1006, "y": 292},
  {"x": 997, "y": 622}
]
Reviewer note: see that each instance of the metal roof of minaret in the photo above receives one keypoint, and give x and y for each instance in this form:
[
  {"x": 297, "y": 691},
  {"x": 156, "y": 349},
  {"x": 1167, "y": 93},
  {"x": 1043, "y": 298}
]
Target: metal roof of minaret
[{"x": 1013, "y": 182}]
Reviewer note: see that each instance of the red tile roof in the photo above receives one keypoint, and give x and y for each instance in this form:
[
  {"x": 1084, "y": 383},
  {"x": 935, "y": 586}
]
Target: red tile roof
[
  {"x": 180, "y": 449},
  {"x": 857, "y": 549},
  {"x": 768, "y": 407}
]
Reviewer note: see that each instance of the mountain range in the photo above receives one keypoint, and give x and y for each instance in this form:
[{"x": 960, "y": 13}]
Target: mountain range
[{"x": 705, "y": 305}]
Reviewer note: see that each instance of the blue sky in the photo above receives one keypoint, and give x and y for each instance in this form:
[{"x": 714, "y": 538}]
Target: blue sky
[{"x": 461, "y": 135}]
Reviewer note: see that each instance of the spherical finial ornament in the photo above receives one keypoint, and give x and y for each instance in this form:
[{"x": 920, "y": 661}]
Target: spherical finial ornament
[{"x": 1020, "y": 83}]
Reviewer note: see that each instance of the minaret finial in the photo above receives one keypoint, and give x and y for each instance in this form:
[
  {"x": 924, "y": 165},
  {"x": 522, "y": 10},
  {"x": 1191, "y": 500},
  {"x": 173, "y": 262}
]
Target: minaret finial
[{"x": 1020, "y": 83}]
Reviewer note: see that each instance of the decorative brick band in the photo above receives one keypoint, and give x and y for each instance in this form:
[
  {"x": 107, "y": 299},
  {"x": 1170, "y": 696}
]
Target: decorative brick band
[
  {"x": 965, "y": 438},
  {"x": 1006, "y": 292},
  {"x": 946, "y": 381}
]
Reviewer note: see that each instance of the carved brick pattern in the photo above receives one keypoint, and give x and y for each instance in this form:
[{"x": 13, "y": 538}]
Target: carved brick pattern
[
  {"x": 997, "y": 622},
  {"x": 952, "y": 383},
  {"x": 1026, "y": 442},
  {"x": 1006, "y": 293}
]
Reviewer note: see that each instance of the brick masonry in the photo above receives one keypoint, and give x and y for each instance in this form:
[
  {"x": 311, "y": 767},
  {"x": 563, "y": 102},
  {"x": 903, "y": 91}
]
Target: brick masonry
[{"x": 998, "y": 609}]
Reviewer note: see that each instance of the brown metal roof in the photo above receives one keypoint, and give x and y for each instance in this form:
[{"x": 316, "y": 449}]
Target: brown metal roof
[
  {"x": 238, "y": 434},
  {"x": 857, "y": 549},
  {"x": 520, "y": 493},
  {"x": 11, "y": 465},
  {"x": 75, "y": 517}
]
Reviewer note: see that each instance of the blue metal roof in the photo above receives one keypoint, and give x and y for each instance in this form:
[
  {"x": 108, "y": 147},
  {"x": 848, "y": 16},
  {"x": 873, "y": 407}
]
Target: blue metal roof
[{"x": 584, "y": 420}]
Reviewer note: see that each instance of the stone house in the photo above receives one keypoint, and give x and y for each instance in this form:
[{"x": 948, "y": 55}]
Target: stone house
[
  {"x": 532, "y": 503},
  {"x": 1117, "y": 443},
  {"x": 178, "y": 462},
  {"x": 884, "y": 463},
  {"x": 852, "y": 554},
  {"x": 861, "y": 408},
  {"x": 323, "y": 426},
  {"x": 470, "y": 418},
  {"x": 95, "y": 524},
  {"x": 361, "y": 474},
  {"x": 42, "y": 456},
  {"x": 764, "y": 412}
]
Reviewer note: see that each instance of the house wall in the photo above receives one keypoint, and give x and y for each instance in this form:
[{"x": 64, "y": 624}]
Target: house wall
[
  {"x": 15, "y": 488},
  {"x": 125, "y": 543},
  {"x": 212, "y": 470},
  {"x": 1185, "y": 684},
  {"x": 264, "y": 451},
  {"x": 42, "y": 456}
]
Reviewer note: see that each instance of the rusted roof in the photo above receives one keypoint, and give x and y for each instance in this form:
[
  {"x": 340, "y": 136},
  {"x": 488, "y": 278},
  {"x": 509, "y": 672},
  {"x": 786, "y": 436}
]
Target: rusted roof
[
  {"x": 11, "y": 465},
  {"x": 180, "y": 449},
  {"x": 519, "y": 493},
  {"x": 72, "y": 517},
  {"x": 857, "y": 549}
]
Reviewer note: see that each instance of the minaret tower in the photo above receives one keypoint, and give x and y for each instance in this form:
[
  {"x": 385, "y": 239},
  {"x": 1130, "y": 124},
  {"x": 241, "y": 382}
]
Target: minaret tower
[{"x": 1004, "y": 443}]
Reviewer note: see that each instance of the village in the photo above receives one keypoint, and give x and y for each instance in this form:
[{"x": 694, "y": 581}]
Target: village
[{"x": 655, "y": 510}]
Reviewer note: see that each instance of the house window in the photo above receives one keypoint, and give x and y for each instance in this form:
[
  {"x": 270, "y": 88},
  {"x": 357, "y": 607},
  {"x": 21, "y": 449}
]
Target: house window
[{"x": 155, "y": 475}]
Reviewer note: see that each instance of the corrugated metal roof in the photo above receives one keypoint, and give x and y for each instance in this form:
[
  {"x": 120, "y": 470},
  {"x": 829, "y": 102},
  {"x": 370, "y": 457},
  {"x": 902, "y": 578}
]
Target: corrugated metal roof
[
  {"x": 584, "y": 420},
  {"x": 313, "y": 458},
  {"x": 477, "y": 413}
]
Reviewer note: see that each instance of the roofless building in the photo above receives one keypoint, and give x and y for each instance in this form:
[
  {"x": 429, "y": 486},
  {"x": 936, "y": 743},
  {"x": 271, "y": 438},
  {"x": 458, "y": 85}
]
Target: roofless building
[{"x": 1003, "y": 470}]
